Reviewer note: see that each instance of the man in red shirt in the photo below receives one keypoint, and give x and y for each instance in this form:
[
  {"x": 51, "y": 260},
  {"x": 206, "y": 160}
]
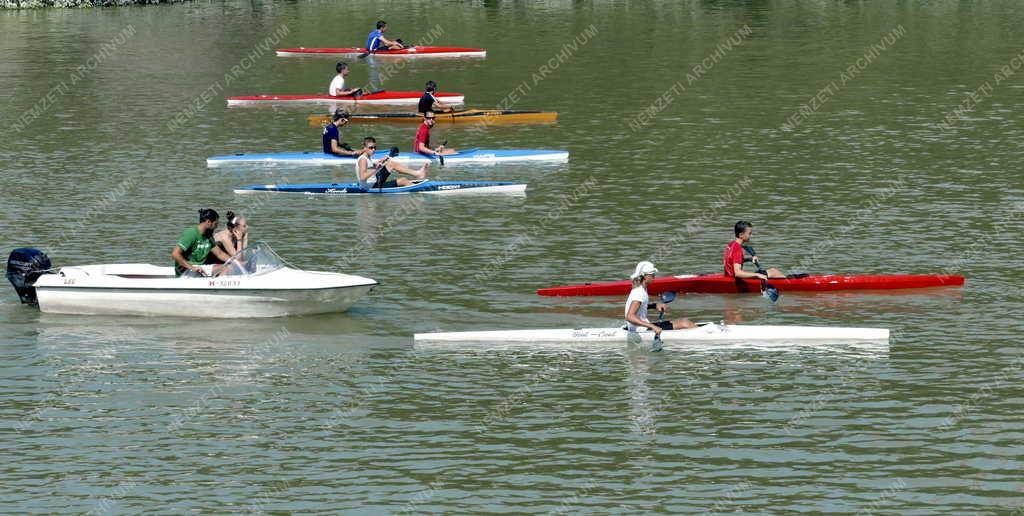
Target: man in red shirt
[
  {"x": 733, "y": 257},
  {"x": 422, "y": 142}
]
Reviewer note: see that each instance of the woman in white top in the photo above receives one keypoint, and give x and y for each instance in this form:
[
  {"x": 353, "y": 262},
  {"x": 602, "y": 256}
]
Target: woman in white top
[
  {"x": 366, "y": 168},
  {"x": 638, "y": 303}
]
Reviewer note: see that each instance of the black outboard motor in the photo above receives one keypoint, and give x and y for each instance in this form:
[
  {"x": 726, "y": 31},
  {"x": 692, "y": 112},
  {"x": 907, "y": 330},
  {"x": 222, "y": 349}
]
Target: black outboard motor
[{"x": 24, "y": 267}]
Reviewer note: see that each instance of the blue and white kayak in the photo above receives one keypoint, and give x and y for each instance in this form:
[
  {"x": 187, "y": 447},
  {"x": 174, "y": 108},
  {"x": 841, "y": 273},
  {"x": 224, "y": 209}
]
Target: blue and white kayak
[
  {"x": 466, "y": 156},
  {"x": 427, "y": 186}
]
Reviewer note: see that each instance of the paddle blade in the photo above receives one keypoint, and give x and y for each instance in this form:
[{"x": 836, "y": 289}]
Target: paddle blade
[
  {"x": 441, "y": 156},
  {"x": 668, "y": 297},
  {"x": 771, "y": 293},
  {"x": 657, "y": 344}
]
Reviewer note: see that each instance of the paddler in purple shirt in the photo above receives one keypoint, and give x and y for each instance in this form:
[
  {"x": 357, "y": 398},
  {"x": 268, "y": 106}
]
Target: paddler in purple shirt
[{"x": 376, "y": 41}]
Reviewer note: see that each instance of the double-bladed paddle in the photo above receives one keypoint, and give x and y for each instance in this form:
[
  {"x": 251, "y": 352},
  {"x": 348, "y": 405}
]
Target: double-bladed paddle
[
  {"x": 382, "y": 171},
  {"x": 441, "y": 156},
  {"x": 666, "y": 297},
  {"x": 767, "y": 290}
]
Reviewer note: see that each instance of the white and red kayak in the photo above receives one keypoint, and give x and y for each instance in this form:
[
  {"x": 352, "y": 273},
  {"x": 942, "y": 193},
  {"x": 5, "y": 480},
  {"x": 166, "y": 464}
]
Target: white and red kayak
[
  {"x": 405, "y": 52},
  {"x": 722, "y": 284},
  {"x": 382, "y": 98}
]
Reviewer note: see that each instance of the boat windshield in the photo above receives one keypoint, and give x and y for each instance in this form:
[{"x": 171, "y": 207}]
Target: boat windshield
[{"x": 255, "y": 259}]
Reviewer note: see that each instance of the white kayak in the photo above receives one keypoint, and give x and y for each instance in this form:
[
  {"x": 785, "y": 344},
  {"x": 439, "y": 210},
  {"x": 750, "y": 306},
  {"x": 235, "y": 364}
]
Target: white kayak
[{"x": 783, "y": 336}]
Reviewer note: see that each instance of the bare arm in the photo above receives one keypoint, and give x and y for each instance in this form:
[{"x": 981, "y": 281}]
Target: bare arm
[
  {"x": 635, "y": 319},
  {"x": 441, "y": 106},
  {"x": 219, "y": 253},
  {"x": 424, "y": 149},
  {"x": 343, "y": 92},
  {"x": 364, "y": 171},
  {"x": 179, "y": 258},
  {"x": 336, "y": 149},
  {"x": 740, "y": 273},
  {"x": 390, "y": 42},
  {"x": 226, "y": 242}
]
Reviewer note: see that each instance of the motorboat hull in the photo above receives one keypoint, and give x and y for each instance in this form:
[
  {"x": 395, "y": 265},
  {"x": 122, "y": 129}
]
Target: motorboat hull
[
  {"x": 149, "y": 290},
  {"x": 202, "y": 303}
]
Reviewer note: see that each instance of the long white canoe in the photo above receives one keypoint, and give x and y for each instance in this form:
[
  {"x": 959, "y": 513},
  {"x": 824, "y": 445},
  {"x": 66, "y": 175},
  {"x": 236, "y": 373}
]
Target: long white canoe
[{"x": 774, "y": 336}]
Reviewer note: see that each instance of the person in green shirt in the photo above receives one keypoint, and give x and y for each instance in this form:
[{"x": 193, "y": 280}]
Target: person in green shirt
[{"x": 196, "y": 244}]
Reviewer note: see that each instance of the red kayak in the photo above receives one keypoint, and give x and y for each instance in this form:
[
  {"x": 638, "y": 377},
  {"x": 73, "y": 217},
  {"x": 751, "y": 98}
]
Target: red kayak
[
  {"x": 722, "y": 284},
  {"x": 393, "y": 98},
  {"x": 405, "y": 52}
]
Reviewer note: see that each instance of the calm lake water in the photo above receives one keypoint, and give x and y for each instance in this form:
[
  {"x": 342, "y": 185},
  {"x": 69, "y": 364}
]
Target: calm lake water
[{"x": 834, "y": 126}]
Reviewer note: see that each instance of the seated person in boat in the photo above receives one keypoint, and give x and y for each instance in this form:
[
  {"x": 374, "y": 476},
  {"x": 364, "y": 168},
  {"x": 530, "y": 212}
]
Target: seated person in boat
[
  {"x": 232, "y": 239},
  {"x": 368, "y": 171},
  {"x": 376, "y": 40},
  {"x": 428, "y": 102},
  {"x": 421, "y": 144},
  {"x": 337, "y": 87},
  {"x": 332, "y": 136},
  {"x": 196, "y": 245},
  {"x": 733, "y": 257},
  {"x": 638, "y": 303}
]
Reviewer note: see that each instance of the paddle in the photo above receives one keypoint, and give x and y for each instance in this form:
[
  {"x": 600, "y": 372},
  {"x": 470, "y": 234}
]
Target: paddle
[
  {"x": 767, "y": 290},
  {"x": 441, "y": 156},
  {"x": 382, "y": 171},
  {"x": 666, "y": 297}
]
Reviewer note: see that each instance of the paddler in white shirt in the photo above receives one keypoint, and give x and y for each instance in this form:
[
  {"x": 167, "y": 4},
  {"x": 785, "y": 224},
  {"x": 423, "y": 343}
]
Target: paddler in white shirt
[
  {"x": 367, "y": 168},
  {"x": 337, "y": 87},
  {"x": 638, "y": 303}
]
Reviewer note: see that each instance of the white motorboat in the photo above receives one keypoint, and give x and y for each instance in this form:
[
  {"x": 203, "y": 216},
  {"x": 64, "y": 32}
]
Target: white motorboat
[
  {"x": 715, "y": 333},
  {"x": 255, "y": 283}
]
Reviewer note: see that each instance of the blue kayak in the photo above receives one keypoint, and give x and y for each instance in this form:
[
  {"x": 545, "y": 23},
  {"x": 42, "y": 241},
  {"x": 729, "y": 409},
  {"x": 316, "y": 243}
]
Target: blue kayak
[
  {"x": 424, "y": 186},
  {"x": 466, "y": 156}
]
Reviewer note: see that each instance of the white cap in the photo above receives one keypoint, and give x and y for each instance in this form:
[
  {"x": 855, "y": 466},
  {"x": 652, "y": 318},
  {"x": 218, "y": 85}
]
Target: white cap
[{"x": 643, "y": 268}]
